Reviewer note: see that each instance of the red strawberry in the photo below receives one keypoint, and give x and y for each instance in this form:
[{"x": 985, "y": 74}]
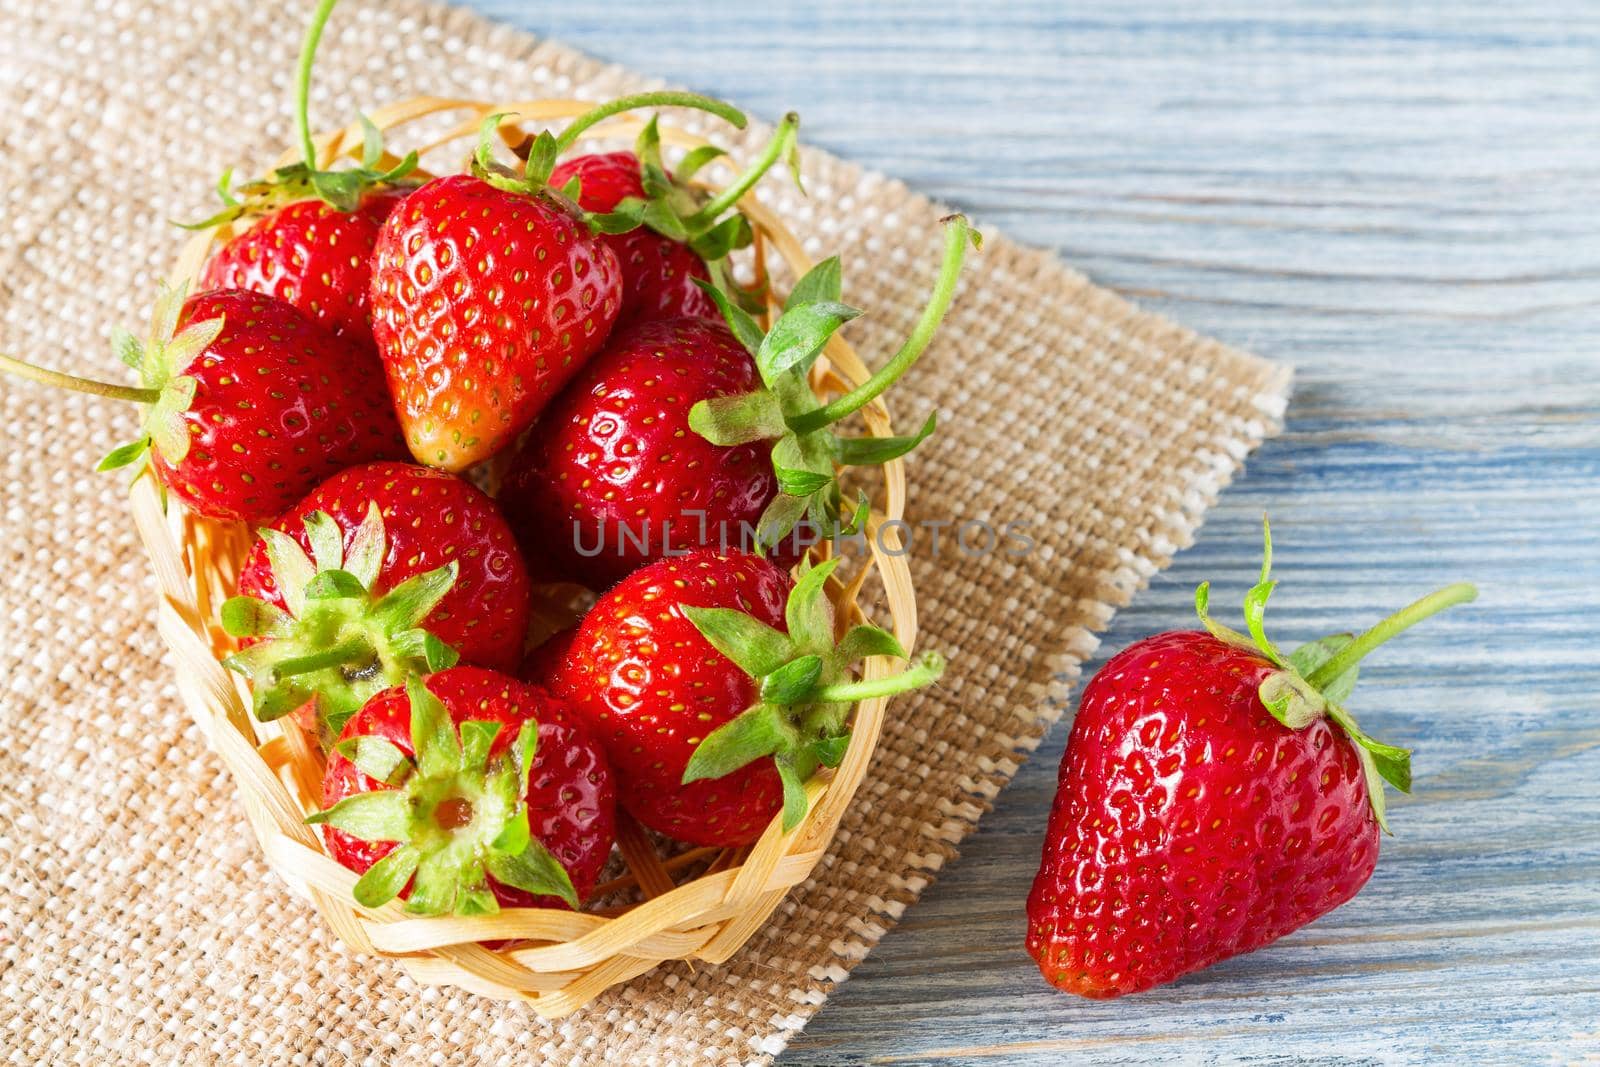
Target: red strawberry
[
  {"x": 542, "y": 662},
  {"x": 1214, "y": 796},
  {"x": 668, "y": 235},
  {"x": 657, "y": 272},
  {"x": 313, "y": 256},
  {"x": 613, "y": 477},
  {"x": 250, "y": 404},
  {"x": 698, "y": 670},
  {"x": 383, "y": 571},
  {"x": 673, "y": 437},
  {"x": 489, "y": 292},
  {"x": 484, "y": 302},
  {"x": 466, "y": 791},
  {"x": 278, "y": 404}
]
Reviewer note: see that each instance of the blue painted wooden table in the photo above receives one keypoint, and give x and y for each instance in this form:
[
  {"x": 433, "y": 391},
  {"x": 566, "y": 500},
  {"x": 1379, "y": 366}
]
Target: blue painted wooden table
[{"x": 1401, "y": 200}]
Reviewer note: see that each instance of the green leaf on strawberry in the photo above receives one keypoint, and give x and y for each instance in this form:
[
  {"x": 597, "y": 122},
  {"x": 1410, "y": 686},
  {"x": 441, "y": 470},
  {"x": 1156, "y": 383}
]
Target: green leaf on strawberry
[
  {"x": 339, "y": 643},
  {"x": 545, "y": 148},
  {"x": 165, "y": 389},
  {"x": 674, "y": 208},
  {"x": 666, "y": 203},
  {"x": 805, "y": 684},
  {"x": 458, "y": 817},
  {"x": 1316, "y": 679},
  {"x": 807, "y": 453}
]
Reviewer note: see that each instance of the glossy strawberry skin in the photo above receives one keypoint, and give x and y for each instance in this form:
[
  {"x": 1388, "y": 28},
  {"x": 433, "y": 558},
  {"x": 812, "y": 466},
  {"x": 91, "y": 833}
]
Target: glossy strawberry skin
[
  {"x": 571, "y": 792},
  {"x": 313, "y": 256},
  {"x": 652, "y": 688},
  {"x": 1189, "y": 825},
  {"x": 430, "y": 518},
  {"x": 279, "y": 405},
  {"x": 542, "y": 662},
  {"x": 484, "y": 303},
  {"x": 616, "y": 450},
  {"x": 657, "y": 272}
]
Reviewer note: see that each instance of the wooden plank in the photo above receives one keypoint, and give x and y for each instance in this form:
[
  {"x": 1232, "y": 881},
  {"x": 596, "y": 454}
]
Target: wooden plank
[{"x": 1400, "y": 200}]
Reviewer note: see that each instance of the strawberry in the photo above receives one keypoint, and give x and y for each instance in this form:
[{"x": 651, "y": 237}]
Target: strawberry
[
  {"x": 1214, "y": 796},
  {"x": 667, "y": 234},
  {"x": 312, "y": 243},
  {"x": 717, "y": 688},
  {"x": 485, "y": 301},
  {"x": 489, "y": 292},
  {"x": 249, "y": 405},
  {"x": 542, "y": 661},
  {"x": 657, "y": 272},
  {"x": 684, "y": 434},
  {"x": 383, "y": 571},
  {"x": 466, "y": 791},
  {"x": 612, "y": 478},
  {"x": 312, "y": 255}
]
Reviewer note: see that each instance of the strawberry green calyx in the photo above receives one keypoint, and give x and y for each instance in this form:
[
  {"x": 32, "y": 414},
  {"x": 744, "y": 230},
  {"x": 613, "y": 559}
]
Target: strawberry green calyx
[
  {"x": 805, "y": 685},
  {"x": 165, "y": 390},
  {"x": 546, "y": 148},
  {"x": 673, "y": 208},
  {"x": 176, "y": 399},
  {"x": 457, "y": 817},
  {"x": 1316, "y": 679},
  {"x": 669, "y": 204},
  {"x": 339, "y": 643},
  {"x": 340, "y": 189},
  {"x": 160, "y": 362},
  {"x": 807, "y": 453}
]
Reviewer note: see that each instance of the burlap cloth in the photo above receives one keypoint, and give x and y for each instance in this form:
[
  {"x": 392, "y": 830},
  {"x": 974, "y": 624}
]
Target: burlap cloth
[{"x": 137, "y": 923}]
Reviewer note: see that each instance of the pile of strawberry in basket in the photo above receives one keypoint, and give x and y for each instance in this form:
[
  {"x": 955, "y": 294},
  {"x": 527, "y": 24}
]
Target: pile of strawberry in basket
[{"x": 369, "y": 349}]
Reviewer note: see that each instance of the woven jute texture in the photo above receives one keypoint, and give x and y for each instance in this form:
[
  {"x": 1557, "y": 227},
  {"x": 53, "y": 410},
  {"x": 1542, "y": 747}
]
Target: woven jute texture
[{"x": 137, "y": 924}]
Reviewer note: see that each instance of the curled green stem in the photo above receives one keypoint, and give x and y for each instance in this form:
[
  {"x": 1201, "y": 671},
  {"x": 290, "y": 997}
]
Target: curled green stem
[
  {"x": 782, "y": 142},
  {"x": 1404, "y": 619},
  {"x": 926, "y": 670},
  {"x": 958, "y": 233},
  {"x": 723, "y": 111},
  {"x": 77, "y": 384},
  {"x": 302, "y": 81}
]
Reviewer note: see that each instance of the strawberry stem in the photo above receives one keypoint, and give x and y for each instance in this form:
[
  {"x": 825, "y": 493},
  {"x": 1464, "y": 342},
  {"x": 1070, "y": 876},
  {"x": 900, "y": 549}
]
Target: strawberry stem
[
  {"x": 77, "y": 384},
  {"x": 782, "y": 142},
  {"x": 927, "y": 669},
  {"x": 1404, "y": 619},
  {"x": 726, "y": 112},
  {"x": 302, "y": 83},
  {"x": 958, "y": 232},
  {"x": 333, "y": 656}
]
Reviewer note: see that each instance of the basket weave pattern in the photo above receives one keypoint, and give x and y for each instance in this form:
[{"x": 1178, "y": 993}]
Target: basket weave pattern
[{"x": 702, "y": 904}]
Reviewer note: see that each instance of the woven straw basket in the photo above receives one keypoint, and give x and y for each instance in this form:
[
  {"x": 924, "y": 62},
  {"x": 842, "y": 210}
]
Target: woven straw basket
[{"x": 700, "y": 904}]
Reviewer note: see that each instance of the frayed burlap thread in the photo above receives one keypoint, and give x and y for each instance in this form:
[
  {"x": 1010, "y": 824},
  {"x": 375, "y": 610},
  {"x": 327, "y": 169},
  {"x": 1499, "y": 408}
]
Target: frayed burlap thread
[{"x": 141, "y": 924}]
